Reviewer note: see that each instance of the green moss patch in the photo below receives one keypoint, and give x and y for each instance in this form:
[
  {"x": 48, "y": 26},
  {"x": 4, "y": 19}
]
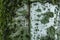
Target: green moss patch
[
  {"x": 46, "y": 38},
  {"x": 51, "y": 32},
  {"x": 45, "y": 20},
  {"x": 38, "y": 10},
  {"x": 47, "y": 15}
]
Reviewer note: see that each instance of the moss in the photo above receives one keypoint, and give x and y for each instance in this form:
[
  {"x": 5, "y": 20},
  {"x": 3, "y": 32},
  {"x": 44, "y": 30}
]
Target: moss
[
  {"x": 47, "y": 15},
  {"x": 38, "y": 10},
  {"x": 38, "y": 15},
  {"x": 15, "y": 25},
  {"x": 44, "y": 8},
  {"x": 21, "y": 25},
  {"x": 36, "y": 24},
  {"x": 38, "y": 37},
  {"x": 42, "y": 38},
  {"x": 0, "y": 36},
  {"x": 22, "y": 32},
  {"x": 46, "y": 38},
  {"x": 45, "y": 20},
  {"x": 51, "y": 32},
  {"x": 55, "y": 22},
  {"x": 37, "y": 20},
  {"x": 36, "y": 30},
  {"x": 21, "y": 36},
  {"x": 19, "y": 21},
  {"x": 28, "y": 36},
  {"x": 35, "y": 4}
]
